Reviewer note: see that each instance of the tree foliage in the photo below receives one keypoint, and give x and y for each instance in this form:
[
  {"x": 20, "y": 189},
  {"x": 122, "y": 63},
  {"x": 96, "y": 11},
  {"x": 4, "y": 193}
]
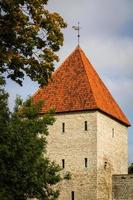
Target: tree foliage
[
  {"x": 130, "y": 169},
  {"x": 25, "y": 172},
  {"x": 4, "y": 111},
  {"x": 29, "y": 37}
]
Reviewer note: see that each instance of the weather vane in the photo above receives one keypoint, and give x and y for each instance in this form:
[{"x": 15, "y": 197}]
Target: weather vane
[{"x": 77, "y": 28}]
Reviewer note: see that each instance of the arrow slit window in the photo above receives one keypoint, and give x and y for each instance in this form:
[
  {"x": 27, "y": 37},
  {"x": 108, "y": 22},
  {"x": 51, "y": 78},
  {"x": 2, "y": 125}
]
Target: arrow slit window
[
  {"x": 86, "y": 162},
  {"x": 113, "y": 132},
  {"x": 63, "y": 163},
  {"x": 72, "y": 196},
  {"x": 86, "y": 126},
  {"x": 63, "y": 127}
]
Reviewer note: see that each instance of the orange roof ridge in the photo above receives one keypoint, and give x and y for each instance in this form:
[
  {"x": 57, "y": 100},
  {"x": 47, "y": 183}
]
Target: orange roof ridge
[
  {"x": 81, "y": 52},
  {"x": 115, "y": 107},
  {"x": 76, "y": 86}
]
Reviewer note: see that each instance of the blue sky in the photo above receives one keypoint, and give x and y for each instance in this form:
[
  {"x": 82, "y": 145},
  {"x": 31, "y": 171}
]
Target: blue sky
[{"x": 106, "y": 38}]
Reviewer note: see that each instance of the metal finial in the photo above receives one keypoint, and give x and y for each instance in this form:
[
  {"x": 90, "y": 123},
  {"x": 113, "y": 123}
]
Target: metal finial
[{"x": 77, "y": 28}]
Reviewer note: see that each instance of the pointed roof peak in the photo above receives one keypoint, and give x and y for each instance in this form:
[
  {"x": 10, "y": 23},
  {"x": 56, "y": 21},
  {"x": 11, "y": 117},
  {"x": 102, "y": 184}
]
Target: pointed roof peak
[
  {"x": 77, "y": 47},
  {"x": 76, "y": 86}
]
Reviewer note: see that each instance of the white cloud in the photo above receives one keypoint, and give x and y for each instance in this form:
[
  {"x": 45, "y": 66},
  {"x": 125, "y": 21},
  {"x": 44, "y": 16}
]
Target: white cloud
[
  {"x": 111, "y": 56},
  {"x": 121, "y": 90},
  {"x": 96, "y": 16}
]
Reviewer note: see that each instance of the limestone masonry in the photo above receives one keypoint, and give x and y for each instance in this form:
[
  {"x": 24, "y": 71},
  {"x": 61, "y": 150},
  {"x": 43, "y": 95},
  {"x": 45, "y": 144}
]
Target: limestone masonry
[{"x": 89, "y": 138}]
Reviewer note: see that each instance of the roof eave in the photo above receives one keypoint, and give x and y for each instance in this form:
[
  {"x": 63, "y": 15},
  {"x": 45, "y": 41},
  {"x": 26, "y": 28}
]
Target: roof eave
[{"x": 127, "y": 124}]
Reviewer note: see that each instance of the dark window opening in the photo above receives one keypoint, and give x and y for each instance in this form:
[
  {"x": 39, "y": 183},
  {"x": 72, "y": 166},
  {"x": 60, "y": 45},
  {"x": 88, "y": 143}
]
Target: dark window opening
[
  {"x": 86, "y": 162},
  {"x": 86, "y": 126},
  {"x": 113, "y": 132},
  {"x": 63, "y": 163},
  {"x": 105, "y": 165},
  {"x": 72, "y": 195},
  {"x": 63, "y": 127}
]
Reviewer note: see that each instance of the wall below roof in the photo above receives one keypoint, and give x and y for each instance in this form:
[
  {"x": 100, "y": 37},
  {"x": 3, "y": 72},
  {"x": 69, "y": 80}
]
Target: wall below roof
[
  {"x": 112, "y": 153},
  {"x": 74, "y": 145},
  {"x": 97, "y": 145}
]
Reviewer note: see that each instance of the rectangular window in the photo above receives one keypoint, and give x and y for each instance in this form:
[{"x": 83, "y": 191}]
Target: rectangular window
[
  {"x": 86, "y": 126},
  {"x": 105, "y": 165},
  {"x": 72, "y": 195},
  {"x": 86, "y": 162},
  {"x": 63, "y": 127},
  {"x": 113, "y": 132},
  {"x": 63, "y": 163}
]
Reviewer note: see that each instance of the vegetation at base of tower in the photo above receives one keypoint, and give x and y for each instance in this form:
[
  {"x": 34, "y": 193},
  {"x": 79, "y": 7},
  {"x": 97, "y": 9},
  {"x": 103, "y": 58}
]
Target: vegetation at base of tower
[
  {"x": 30, "y": 36},
  {"x": 67, "y": 176},
  {"x": 130, "y": 169},
  {"x": 25, "y": 171}
]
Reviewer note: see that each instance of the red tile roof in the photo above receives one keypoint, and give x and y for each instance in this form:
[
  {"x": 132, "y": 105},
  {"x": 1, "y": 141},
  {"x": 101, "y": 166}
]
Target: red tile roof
[{"x": 76, "y": 86}]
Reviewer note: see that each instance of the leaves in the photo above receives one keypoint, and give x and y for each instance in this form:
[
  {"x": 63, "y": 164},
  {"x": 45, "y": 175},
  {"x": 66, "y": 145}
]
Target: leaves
[
  {"x": 25, "y": 172},
  {"x": 29, "y": 37},
  {"x": 130, "y": 169}
]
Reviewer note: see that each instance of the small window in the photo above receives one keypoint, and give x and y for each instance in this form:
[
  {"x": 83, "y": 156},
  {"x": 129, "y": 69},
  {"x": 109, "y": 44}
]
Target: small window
[
  {"x": 86, "y": 162},
  {"x": 63, "y": 163},
  {"x": 86, "y": 127},
  {"x": 72, "y": 195},
  {"x": 105, "y": 165},
  {"x": 63, "y": 127},
  {"x": 113, "y": 132}
]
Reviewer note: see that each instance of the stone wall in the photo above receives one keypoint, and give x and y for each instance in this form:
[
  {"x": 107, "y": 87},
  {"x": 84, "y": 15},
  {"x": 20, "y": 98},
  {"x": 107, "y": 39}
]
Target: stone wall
[
  {"x": 122, "y": 186},
  {"x": 104, "y": 145},
  {"x": 112, "y": 153},
  {"x": 74, "y": 145}
]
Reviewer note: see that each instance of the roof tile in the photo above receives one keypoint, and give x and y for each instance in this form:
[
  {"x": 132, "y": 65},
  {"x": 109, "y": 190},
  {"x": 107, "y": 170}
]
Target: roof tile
[{"x": 76, "y": 86}]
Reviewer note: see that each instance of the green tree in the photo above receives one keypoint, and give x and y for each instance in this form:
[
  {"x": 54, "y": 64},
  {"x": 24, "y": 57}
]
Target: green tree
[
  {"x": 29, "y": 37},
  {"x": 130, "y": 169},
  {"x": 4, "y": 111},
  {"x": 25, "y": 172}
]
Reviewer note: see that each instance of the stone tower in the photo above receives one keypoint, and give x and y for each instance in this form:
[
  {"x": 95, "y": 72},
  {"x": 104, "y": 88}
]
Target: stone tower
[{"x": 89, "y": 137}]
